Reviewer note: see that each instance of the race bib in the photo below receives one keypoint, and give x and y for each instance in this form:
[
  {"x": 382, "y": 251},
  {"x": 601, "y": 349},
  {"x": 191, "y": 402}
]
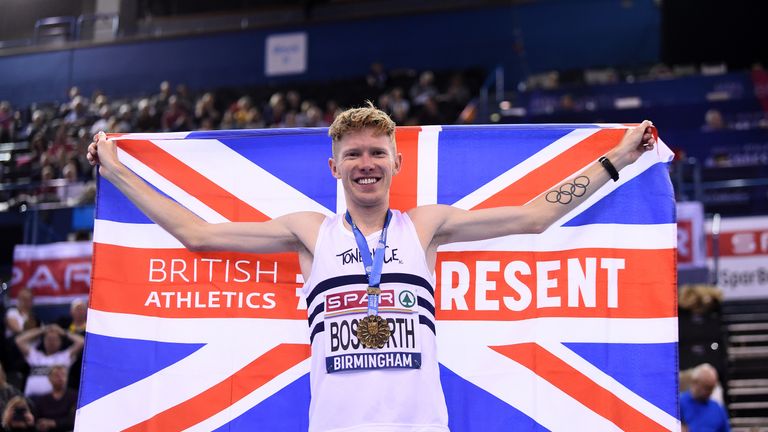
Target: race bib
[{"x": 344, "y": 352}]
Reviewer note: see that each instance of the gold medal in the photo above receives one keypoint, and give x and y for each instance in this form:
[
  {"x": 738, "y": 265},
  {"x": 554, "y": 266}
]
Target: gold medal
[
  {"x": 373, "y": 331},
  {"x": 373, "y": 290}
]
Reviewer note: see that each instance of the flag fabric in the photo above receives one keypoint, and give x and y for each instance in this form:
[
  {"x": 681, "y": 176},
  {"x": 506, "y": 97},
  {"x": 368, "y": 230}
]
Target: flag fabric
[{"x": 571, "y": 329}]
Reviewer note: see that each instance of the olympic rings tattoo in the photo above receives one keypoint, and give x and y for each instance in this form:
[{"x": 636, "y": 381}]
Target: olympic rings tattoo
[{"x": 565, "y": 193}]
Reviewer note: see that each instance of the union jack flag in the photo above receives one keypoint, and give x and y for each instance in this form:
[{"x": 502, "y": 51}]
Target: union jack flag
[{"x": 572, "y": 329}]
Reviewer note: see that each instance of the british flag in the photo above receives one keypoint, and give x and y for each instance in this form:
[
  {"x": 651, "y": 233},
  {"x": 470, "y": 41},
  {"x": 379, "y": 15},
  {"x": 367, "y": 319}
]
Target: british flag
[{"x": 574, "y": 329}]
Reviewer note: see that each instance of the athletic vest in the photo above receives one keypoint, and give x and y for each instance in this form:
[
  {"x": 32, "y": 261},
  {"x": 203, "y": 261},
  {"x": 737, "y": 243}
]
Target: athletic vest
[{"x": 396, "y": 388}]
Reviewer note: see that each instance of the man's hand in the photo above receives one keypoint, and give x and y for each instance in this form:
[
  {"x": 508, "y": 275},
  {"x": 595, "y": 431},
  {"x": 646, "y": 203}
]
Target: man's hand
[
  {"x": 56, "y": 328},
  {"x": 636, "y": 141},
  {"x": 102, "y": 152}
]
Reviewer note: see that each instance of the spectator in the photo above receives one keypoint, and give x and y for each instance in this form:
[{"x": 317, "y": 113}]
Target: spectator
[
  {"x": 713, "y": 121},
  {"x": 55, "y": 411},
  {"x": 64, "y": 108},
  {"x": 276, "y": 109},
  {"x": 37, "y": 126},
  {"x": 457, "y": 94},
  {"x": 241, "y": 113},
  {"x": 697, "y": 409},
  {"x": 315, "y": 117},
  {"x": 7, "y": 391},
  {"x": 289, "y": 121},
  {"x": 385, "y": 102},
  {"x": 21, "y": 317},
  {"x": 293, "y": 100},
  {"x": 424, "y": 89},
  {"x": 71, "y": 192},
  {"x": 17, "y": 417},
  {"x": 7, "y": 122},
  {"x": 105, "y": 112},
  {"x": 376, "y": 79},
  {"x": 160, "y": 100},
  {"x": 52, "y": 354},
  {"x": 205, "y": 110},
  {"x": 78, "y": 114},
  {"x": 399, "y": 105},
  {"x": 100, "y": 100},
  {"x": 183, "y": 97},
  {"x": 430, "y": 113},
  {"x": 17, "y": 320},
  {"x": 147, "y": 119},
  {"x": 331, "y": 110},
  {"x": 46, "y": 193},
  {"x": 175, "y": 118},
  {"x": 63, "y": 145},
  {"x": 124, "y": 120}
]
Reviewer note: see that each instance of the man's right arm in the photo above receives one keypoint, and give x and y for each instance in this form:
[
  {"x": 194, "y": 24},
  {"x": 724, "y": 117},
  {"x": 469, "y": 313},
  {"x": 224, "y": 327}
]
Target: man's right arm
[{"x": 283, "y": 234}]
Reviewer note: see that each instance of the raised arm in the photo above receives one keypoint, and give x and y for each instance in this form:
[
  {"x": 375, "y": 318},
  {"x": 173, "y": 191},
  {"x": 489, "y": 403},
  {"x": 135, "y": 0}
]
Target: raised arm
[
  {"x": 24, "y": 339},
  {"x": 444, "y": 224},
  {"x": 292, "y": 232}
]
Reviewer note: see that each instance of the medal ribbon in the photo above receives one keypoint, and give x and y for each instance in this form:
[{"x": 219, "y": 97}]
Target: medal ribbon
[{"x": 373, "y": 264}]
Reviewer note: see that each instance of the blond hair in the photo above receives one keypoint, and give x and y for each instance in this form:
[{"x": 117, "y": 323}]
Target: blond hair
[{"x": 356, "y": 119}]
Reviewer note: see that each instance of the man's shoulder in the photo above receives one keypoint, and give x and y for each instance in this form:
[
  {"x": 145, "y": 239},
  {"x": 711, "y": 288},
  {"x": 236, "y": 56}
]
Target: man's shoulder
[
  {"x": 303, "y": 221},
  {"x": 429, "y": 212}
]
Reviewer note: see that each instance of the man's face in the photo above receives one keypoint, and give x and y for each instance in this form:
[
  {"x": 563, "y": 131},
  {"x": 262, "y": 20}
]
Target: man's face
[
  {"x": 51, "y": 341},
  {"x": 58, "y": 378},
  {"x": 366, "y": 163},
  {"x": 702, "y": 387}
]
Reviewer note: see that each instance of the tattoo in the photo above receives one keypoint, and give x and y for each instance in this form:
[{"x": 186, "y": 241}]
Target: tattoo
[{"x": 565, "y": 193}]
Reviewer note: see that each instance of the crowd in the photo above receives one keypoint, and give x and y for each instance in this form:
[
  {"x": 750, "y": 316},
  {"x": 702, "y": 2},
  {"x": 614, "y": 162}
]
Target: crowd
[
  {"x": 41, "y": 364},
  {"x": 56, "y": 134}
]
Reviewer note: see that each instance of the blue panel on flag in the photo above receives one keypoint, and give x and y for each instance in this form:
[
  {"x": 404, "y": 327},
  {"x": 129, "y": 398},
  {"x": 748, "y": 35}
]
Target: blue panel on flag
[
  {"x": 471, "y": 157},
  {"x": 658, "y": 381},
  {"x": 119, "y": 208},
  {"x": 638, "y": 201},
  {"x": 471, "y": 408},
  {"x": 300, "y": 160},
  {"x": 113, "y": 363},
  {"x": 270, "y": 415}
]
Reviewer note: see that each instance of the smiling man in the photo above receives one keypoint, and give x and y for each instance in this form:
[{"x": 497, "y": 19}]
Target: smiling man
[{"x": 369, "y": 272}]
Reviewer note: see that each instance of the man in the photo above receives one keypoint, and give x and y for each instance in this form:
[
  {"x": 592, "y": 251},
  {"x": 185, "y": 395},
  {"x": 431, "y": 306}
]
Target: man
[
  {"x": 55, "y": 411},
  {"x": 384, "y": 375},
  {"x": 697, "y": 410}
]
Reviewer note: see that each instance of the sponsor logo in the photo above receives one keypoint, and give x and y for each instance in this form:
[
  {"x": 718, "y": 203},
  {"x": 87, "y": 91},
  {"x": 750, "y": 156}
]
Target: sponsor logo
[
  {"x": 355, "y": 300},
  {"x": 352, "y": 256},
  {"x": 407, "y": 298}
]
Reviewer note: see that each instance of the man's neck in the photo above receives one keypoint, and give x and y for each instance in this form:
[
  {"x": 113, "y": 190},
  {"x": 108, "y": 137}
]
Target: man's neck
[{"x": 369, "y": 219}]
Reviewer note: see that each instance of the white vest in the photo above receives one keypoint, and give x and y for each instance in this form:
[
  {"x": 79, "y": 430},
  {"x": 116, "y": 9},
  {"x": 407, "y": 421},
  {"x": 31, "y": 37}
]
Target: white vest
[{"x": 396, "y": 388}]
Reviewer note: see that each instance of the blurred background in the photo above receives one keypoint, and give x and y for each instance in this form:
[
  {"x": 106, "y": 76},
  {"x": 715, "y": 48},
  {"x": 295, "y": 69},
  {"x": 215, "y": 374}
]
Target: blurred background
[{"x": 69, "y": 68}]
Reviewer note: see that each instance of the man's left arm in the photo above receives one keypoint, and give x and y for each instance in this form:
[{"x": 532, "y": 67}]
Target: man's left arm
[{"x": 452, "y": 225}]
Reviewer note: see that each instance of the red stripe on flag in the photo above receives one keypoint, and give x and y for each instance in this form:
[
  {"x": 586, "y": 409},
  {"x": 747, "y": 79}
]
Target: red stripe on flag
[
  {"x": 191, "y": 181},
  {"x": 402, "y": 195},
  {"x": 577, "y": 385},
  {"x": 222, "y": 395},
  {"x": 555, "y": 170}
]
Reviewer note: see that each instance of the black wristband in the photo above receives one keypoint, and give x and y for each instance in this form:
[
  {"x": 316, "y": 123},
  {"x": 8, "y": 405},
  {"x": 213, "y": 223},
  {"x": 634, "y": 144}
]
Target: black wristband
[{"x": 609, "y": 167}]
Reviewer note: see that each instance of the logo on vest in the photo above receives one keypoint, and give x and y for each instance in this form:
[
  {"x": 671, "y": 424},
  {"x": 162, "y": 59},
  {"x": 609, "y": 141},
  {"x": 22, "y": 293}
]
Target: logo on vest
[{"x": 406, "y": 298}]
